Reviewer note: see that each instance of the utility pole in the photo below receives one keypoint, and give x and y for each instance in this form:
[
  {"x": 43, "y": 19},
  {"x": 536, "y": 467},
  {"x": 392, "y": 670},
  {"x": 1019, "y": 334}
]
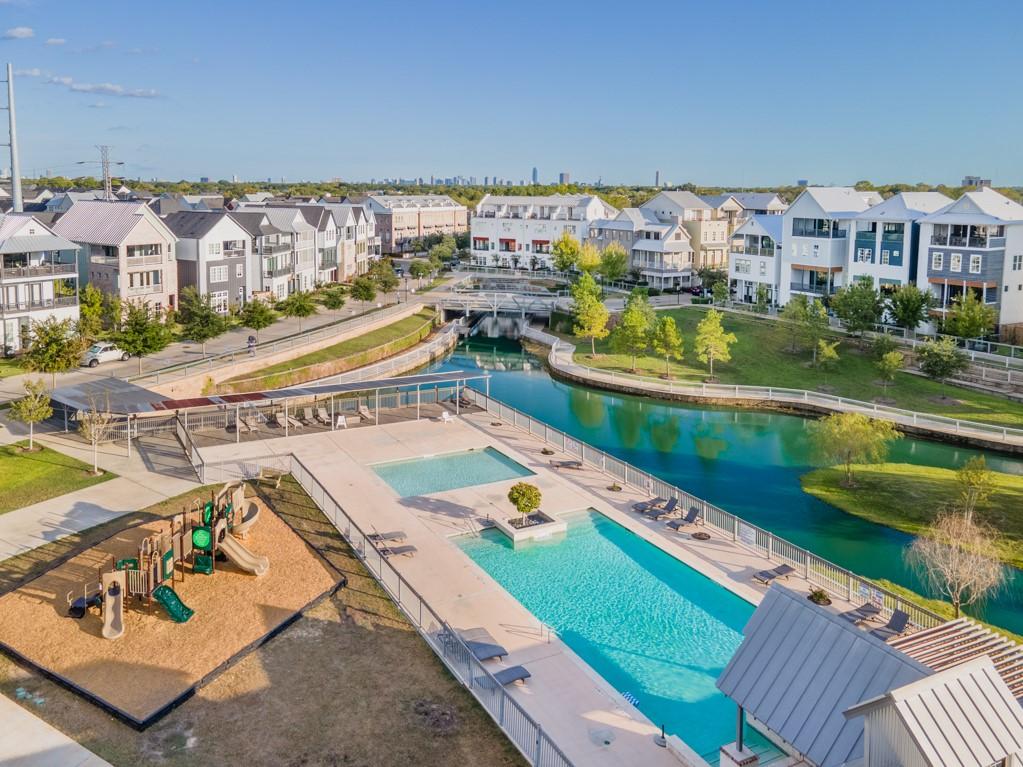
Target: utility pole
[
  {"x": 15, "y": 164},
  {"x": 104, "y": 158}
]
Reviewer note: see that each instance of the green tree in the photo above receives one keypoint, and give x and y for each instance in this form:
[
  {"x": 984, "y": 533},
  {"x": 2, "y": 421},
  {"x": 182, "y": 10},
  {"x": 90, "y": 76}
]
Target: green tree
[
  {"x": 667, "y": 342},
  {"x": 882, "y": 345},
  {"x": 794, "y": 315},
  {"x": 720, "y": 292},
  {"x": 827, "y": 357},
  {"x": 888, "y": 365},
  {"x": 525, "y": 498},
  {"x": 364, "y": 289},
  {"x": 711, "y": 276},
  {"x": 859, "y": 306},
  {"x": 614, "y": 262},
  {"x": 909, "y": 306},
  {"x": 32, "y": 408},
  {"x": 565, "y": 252},
  {"x": 299, "y": 304},
  {"x": 940, "y": 360},
  {"x": 53, "y": 347},
  {"x": 383, "y": 276},
  {"x": 333, "y": 298},
  {"x": 90, "y": 312},
  {"x": 976, "y": 483},
  {"x": 199, "y": 320},
  {"x": 257, "y": 315},
  {"x": 815, "y": 325},
  {"x": 848, "y": 438},
  {"x": 969, "y": 317},
  {"x": 419, "y": 270},
  {"x": 141, "y": 332},
  {"x": 113, "y": 312},
  {"x": 712, "y": 341},
  {"x": 589, "y": 314},
  {"x": 632, "y": 333},
  {"x": 588, "y": 259},
  {"x": 762, "y": 298}
]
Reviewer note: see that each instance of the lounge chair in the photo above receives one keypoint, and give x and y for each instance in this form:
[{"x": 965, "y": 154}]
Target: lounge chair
[
  {"x": 692, "y": 517},
  {"x": 485, "y": 650},
  {"x": 294, "y": 422},
  {"x": 566, "y": 464},
  {"x": 251, "y": 421},
  {"x": 505, "y": 676},
  {"x": 307, "y": 416},
  {"x": 394, "y": 536},
  {"x": 364, "y": 413},
  {"x": 895, "y": 626},
  {"x": 767, "y": 576},
  {"x": 277, "y": 419},
  {"x": 322, "y": 416},
  {"x": 665, "y": 513},
  {"x": 864, "y": 612},
  {"x": 397, "y": 551},
  {"x": 240, "y": 426},
  {"x": 643, "y": 506}
]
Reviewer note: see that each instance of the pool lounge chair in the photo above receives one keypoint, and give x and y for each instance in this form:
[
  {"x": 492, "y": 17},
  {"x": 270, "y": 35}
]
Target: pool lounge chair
[
  {"x": 364, "y": 413},
  {"x": 294, "y": 422},
  {"x": 665, "y": 513},
  {"x": 307, "y": 416},
  {"x": 485, "y": 650},
  {"x": 397, "y": 551},
  {"x": 571, "y": 464},
  {"x": 394, "y": 536},
  {"x": 643, "y": 506},
  {"x": 897, "y": 624},
  {"x": 322, "y": 416},
  {"x": 768, "y": 576},
  {"x": 864, "y": 612},
  {"x": 505, "y": 676},
  {"x": 692, "y": 517}
]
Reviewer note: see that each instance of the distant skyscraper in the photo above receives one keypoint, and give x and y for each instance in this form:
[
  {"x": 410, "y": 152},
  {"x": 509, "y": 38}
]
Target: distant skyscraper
[
  {"x": 564, "y": 177},
  {"x": 536, "y": 175},
  {"x": 234, "y": 178},
  {"x": 204, "y": 179},
  {"x": 657, "y": 179},
  {"x": 486, "y": 181}
]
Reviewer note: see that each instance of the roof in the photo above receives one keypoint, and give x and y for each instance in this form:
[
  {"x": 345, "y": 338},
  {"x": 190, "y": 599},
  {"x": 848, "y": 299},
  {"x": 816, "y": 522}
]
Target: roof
[
  {"x": 287, "y": 219},
  {"x": 392, "y": 201},
  {"x": 962, "y": 717},
  {"x": 683, "y": 199},
  {"x": 717, "y": 200},
  {"x": 193, "y": 224},
  {"x": 15, "y": 236},
  {"x": 800, "y": 667},
  {"x": 102, "y": 223},
  {"x": 759, "y": 200},
  {"x": 763, "y": 223},
  {"x": 841, "y": 201},
  {"x": 548, "y": 200},
  {"x": 906, "y": 206},
  {"x": 254, "y": 222},
  {"x": 982, "y": 206}
]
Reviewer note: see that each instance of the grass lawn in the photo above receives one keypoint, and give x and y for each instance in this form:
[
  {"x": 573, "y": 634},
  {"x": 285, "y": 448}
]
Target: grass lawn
[
  {"x": 10, "y": 367},
  {"x": 906, "y": 497},
  {"x": 27, "y": 478},
  {"x": 760, "y": 357},
  {"x": 349, "y": 683}
]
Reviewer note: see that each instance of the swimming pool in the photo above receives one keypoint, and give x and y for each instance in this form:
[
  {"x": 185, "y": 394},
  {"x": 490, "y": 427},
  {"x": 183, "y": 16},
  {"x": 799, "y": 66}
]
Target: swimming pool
[
  {"x": 647, "y": 623},
  {"x": 450, "y": 471}
]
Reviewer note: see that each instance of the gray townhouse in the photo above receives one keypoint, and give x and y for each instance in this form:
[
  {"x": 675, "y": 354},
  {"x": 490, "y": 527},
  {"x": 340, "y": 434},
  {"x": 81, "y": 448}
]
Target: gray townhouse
[{"x": 214, "y": 256}]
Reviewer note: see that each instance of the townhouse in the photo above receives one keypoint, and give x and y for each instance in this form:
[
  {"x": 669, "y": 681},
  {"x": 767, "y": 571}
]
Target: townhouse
[
  {"x": 755, "y": 258},
  {"x": 124, "y": 249},
  {"x": 357, "y": 242},
  {"x": 517, "y": 232},
  {"x": 708, "y": 236},
  {"x": 36, "y": 280},
  {"x": 660, "y": 252},
  {"x": 272, "y": 269},
  {"x": 300, "y": 237},
  {"x": 816, "y": 231},
  {"x": 725, "y": 207},
  {"x": 739, "y": 207},
  {"x": 402, "y": 219},
  {"x": 976, "y": 244},
  {"x": 214, "y": 256}
]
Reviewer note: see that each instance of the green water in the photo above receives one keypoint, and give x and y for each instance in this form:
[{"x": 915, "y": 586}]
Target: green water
[{"x": 746, "y": 462}]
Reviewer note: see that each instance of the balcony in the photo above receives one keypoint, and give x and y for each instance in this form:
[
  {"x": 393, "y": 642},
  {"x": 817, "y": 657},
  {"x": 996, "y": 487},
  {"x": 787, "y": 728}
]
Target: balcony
[
  {"x": 817, "y": 290},
  {"x": 233, "y": 253},
  {"x": 45, "y": 303},
  {"x": 326, "y": 264},
  {"x": 40, "y": 270},
  {"x": 281, "y": 271},
  {"x": 135, "y": 261},
  {"x": 144, "y": 290},
  {"x": 272, "y": 249}
]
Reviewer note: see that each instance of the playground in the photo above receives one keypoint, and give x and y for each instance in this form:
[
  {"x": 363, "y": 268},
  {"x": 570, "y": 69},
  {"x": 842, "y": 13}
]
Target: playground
[{"x": 140, "y": 620}]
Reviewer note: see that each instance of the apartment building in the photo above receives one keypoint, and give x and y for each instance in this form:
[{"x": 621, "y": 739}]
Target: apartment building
[
  {"x": 124, "y": 249},
  {"x": 708, "y": 235},
  {"x": 300, "y": 236},
  {"x": 976, "y": 244},
  {"x": 755, "y": 258},
  {"x": 214, "y": 256},
  {"x": 517, "y": 232},
  {"x": 358, "y": 242},
  {"x": 404, "y": 218},
  {"x": 272, "y": 269},
  {"x": 884, "y": 244},
  {"x": 660, "y": 252},
  {"x": 36, "y": 281},
  {"x": 816, "y": 232},
  {"x": 725, "y": 207}
]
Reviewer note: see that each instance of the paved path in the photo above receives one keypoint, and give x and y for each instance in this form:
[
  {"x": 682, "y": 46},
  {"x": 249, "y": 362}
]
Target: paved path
[{"x": 27, "y": 741}]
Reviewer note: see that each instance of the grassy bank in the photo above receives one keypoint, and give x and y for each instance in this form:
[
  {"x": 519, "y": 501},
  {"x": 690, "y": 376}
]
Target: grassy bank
[
  {"x": 761, "y": 357},
  {"x": 27, "y": 478},
  {"x": 907, "y": 497}
]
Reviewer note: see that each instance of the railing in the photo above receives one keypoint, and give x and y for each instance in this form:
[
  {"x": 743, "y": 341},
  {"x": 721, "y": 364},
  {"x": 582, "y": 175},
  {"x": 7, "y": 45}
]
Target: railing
[
  {"x": 524, "y": 731},
  {"x": 40, "y": 270},
  {"x": 46, "y": 303},
  {"x": 280, "y": 271},
  {"x": 143, "y": 290},
  {"x": 271, "y": 249},
  {"x": 420, "y": 355},
  {"x": 819, "y": 290},
  {"x": 150, "y": 260}
]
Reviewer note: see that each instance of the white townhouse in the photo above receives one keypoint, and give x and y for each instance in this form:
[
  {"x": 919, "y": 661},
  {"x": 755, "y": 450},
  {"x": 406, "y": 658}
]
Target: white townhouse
[
  {"x": 517, "y": 232},
  {"x": 976, "y": 244},
  {"x": 759, "y": 204},
  {"x": 659, "y": 251},
  {"x": 358, "y": 242},
  {"x": 215, "y": 257},
  {"x": 300, "y": 236},
  {"x": 35, "y": 282},
  {"x": 273, "y": 271},
  {"x": 708, "y": 228},
  {"x": 816, "y": 232},
  {"x": 885, "y": 242},
  {"x": 754, "y": 258}
]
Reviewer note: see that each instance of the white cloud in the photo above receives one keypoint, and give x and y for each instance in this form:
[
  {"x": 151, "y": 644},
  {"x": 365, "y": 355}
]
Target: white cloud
[
  {"x": 98, "y": 105},
  {"x": 33, "y": 72},
  {"x": 19, "y": 33},
  {"x": 56, "y": 41},
  {"x": 108, "y": 89}
]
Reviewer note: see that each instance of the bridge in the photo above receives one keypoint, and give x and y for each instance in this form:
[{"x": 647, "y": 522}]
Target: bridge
[{"x": 492, "y": 302}]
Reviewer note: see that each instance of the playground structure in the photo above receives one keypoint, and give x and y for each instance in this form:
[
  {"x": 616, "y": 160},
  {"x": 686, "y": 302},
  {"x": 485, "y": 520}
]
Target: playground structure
[{"x": 195, "y": 537}]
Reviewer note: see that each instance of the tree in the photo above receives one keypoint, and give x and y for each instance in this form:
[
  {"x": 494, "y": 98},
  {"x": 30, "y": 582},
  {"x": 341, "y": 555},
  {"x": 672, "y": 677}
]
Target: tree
[
  {"x": 588, "y": 259},
  {"x": 90, "y": 312},
  {"x": 565, "y": 252},
  {"x": 969, "y": 317},
  {"x": 614, "y": 262},
  {"x": 257, "y": 315},
  {"x": 889, "y": 364},
  {"x": 711, "y": 276},
  {"x": 588, "y": 311},
  {"x": 794, "y": 316},
  {"x": 53, "y": 347},
  {"x": 632, "y": 333},
  {"x": 667, "y": 342},
  {"x": 200, "y": 321},
  {"x": 859, "y": 306},
  {"x": 827, "y": 357},
  {"x": 32, "y": 408},
  {"x": 957, "y": 557},
  {"x": 94, "y": 425},
  {"x": 815, "y": 325},
  {"x": 909, "y": 306},
  {"x": 882, "y": 345},
  {"x": 141, "y": 332},
  {"x": 762, "y": 298},
  {"x": 364, "y": 289},
  {"x": 525, "y": 497},
  {"x": 940, "y": 360},
  {"x": 712, "y": 341},
  {"x": 113, "y": 311},
  {"x": 849, "y": 438},
  {"x": 383, "y": 276},
  {"x": 976, "y": 483},
  {"x": 419, "y": 270},
  {"x": 720, "y": 292},
  {"x": 333, "y": 298},
  {"x": 299, "y": 304}
]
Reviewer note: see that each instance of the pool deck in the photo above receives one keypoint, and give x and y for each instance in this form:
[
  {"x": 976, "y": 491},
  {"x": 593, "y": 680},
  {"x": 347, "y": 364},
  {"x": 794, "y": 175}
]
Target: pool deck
[{"x": 572, "y": 703}]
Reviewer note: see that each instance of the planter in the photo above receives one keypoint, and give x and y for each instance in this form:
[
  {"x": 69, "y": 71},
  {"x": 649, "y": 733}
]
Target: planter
[
  {"x": 546, "y": 451},
  {"x": 530, "y": 527},
  {"x": 700, "y": 536},
  {"x": 523, "y": 521},
  {"x": 496, "y": 423},
  {"x": 615, "y": 488},
  {"x": 819, "y": 598}
]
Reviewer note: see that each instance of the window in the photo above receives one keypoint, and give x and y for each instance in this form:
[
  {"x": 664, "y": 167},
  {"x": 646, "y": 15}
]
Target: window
[
  {"x": 144, "y": 250},
  {"x": 975, "y": 263},
  {"x": 214, "y": 248},
  {"x": 218, "y": 274},
  {"x": 990, "y": 294},
  {"x": 218, "y": 300},
  {"x": 955, "y": 263},
  {"x": 239, "y": 270},
  {"x": 763, "y": 268},
  {"x": 885, "y": 257},
  {"x": 937, "y": 262},
  {"x": 863, "y": 254},
  {"x": 1017, "y": 262},
  {"x": 742, "y": 266}
]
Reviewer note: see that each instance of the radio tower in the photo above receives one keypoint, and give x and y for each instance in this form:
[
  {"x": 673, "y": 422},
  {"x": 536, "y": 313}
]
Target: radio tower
[
  {"x": 15, "y": 165},
  {"x": 104, "y": 158}
]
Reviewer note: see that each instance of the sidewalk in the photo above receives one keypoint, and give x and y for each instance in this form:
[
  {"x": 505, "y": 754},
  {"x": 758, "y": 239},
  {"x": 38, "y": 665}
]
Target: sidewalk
[{"x": 28, "y": 741}]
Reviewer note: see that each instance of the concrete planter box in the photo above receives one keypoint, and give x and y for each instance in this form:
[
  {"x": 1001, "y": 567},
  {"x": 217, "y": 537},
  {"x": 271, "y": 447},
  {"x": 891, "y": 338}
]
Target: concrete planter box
[{"x": 537, "y": 525}]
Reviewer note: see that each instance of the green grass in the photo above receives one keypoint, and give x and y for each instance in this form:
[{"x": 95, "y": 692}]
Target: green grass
[
  {"x": 907, "y": 497},
  {"x": 27, "y": 478},
  {"x": 760, "y": 357},
  {"x": 10, "y": 367}
]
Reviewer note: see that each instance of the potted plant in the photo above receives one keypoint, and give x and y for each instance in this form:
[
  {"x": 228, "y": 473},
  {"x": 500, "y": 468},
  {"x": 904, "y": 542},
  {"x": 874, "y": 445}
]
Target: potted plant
[
  {"x": 819, "y": 597},
  {"x": 526, "y": 499},
  {"x": 614, "y": 487},
  {"x": 546, "y": 451}
]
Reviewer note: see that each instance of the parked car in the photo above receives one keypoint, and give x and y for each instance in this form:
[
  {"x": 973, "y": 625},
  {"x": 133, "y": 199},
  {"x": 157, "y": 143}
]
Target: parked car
[{"x": 103, "y": 351}]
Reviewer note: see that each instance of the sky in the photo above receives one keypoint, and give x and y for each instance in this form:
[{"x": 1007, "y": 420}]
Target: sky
[{"x": 744, "y": 93}]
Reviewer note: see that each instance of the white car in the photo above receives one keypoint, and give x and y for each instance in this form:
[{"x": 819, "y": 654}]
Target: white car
[{"x": 103, "y": 352}]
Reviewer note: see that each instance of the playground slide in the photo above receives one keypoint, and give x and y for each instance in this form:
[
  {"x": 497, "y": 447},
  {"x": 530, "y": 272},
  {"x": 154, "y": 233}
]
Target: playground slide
[
  {"x": 248, "y": 518},
  {"x": 169, "y": 600},
  {"x": 113, "y": 604},
  {"x": 242, "y": 557}
]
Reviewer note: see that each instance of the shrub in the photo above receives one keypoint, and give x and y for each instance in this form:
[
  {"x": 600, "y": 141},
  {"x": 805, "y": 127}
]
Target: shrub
[{"x": 524, "y": 497}]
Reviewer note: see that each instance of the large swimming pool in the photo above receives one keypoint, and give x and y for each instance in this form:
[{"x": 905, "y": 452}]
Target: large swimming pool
[
  {"x": 450, "y": 471},
  {"x": 646, "y": 622}
]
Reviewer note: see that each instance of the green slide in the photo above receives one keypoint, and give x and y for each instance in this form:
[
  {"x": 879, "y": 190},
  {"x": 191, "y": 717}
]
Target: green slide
[{"x": 178, "y": 611}]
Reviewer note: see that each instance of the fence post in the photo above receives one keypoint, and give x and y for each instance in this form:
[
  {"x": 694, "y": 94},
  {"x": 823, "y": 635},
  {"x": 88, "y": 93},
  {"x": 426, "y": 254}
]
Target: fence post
[
  {"x": 770, "y": 545},
  {"x": 735, "y": 528}
]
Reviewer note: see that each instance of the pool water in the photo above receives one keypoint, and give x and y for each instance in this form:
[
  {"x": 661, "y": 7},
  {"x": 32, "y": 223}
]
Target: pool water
[
  {"x": 647, "y": 623},
  {"x": 450, "y": 471}
]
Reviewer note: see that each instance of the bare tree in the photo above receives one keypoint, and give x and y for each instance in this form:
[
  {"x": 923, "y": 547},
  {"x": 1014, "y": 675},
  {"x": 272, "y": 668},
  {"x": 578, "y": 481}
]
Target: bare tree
[
  {"x": 957, "y": 557},
  {"x": 95, "y": 426}
]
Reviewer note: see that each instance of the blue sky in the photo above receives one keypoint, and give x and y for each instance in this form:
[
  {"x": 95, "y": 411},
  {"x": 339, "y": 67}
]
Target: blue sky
[{"x": 738, "y": 93}]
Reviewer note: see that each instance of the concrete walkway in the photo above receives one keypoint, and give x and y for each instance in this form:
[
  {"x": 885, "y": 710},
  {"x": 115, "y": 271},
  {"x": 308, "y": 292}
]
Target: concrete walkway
[{"x": 28, "y": 741}]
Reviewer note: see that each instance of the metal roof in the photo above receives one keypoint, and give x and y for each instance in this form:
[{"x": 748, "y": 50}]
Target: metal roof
[
  {"x": 106, "y": 394},
  {"x": 104, "y": 223},
  {"x": 800, "y": 667},
  {"x": 982, "y": 206}
]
